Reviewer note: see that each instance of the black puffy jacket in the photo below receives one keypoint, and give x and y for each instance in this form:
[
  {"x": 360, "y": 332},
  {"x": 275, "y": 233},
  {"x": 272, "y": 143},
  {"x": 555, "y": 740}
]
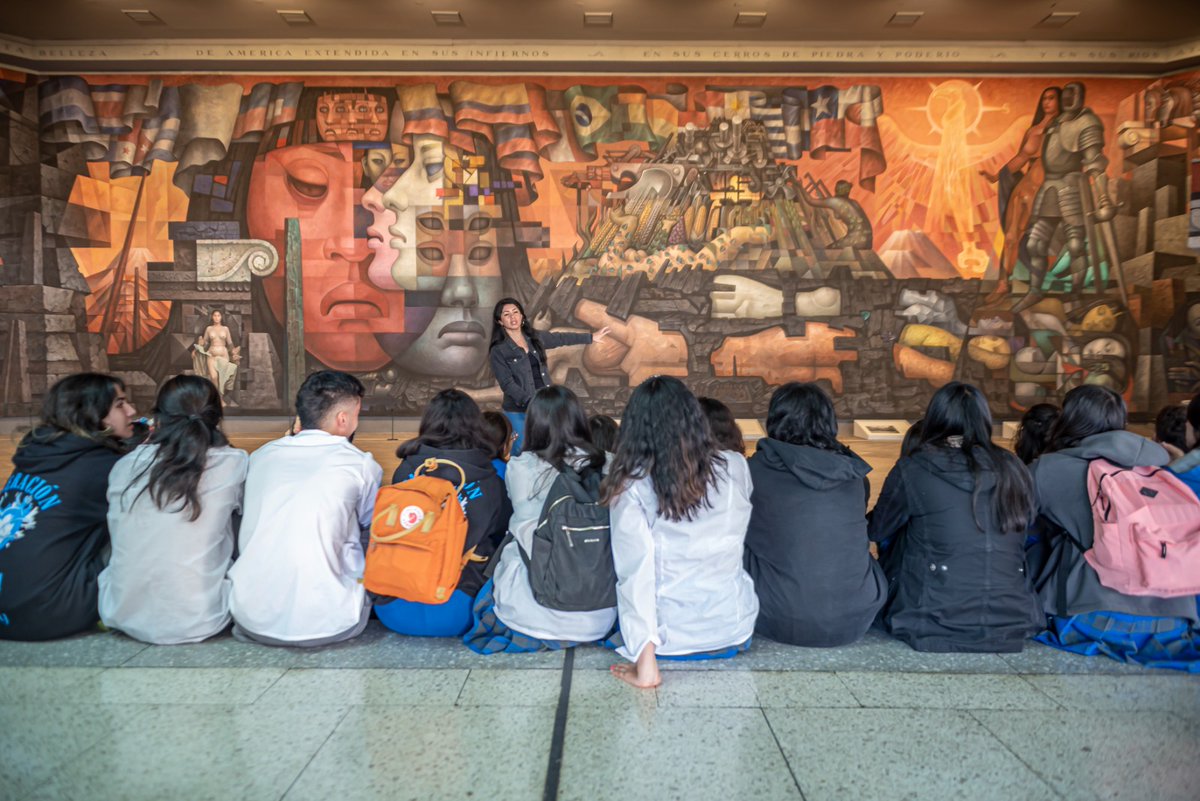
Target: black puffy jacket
[
  {"x": 954, "y": 586},
  {"x": 806, "y": 547}
]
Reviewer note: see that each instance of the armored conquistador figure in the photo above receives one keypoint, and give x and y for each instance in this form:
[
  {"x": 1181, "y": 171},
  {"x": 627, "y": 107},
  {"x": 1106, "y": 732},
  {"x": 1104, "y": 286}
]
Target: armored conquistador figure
[{"x": 1073, "y": 158}]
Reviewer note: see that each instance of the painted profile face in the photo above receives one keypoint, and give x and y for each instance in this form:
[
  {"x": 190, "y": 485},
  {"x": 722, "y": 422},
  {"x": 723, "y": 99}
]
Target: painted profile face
[
  {"x": 1193, "y": 319},
  {"x": 343, "y": 311},
  {"x": 448, "y": 328},
  {"x": 394, "y": 201},
  {"x": 352, "y": 117}
]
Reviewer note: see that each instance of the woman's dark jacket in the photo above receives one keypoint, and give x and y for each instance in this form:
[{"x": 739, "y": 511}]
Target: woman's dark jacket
[
  {"x": 953, "y": 586},
  {"x": 1073, "y": 588},
  {"x": 483, "y": 498},
  {"x": 511, "y": 366},
  {"x": 53, "y": 530},
  {"x": 806, "y": 547}
]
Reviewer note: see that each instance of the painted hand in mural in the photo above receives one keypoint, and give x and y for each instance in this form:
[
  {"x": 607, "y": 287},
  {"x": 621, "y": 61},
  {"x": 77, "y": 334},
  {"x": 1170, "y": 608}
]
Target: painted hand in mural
[
  {"x": 744, "y": 298},
  {"x": 636, "y": 347}
]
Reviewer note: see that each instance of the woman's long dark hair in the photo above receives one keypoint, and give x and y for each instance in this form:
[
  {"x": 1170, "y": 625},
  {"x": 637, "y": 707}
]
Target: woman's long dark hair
[
  {"x": 665, "y": 436},
  {"x": 1087, "y": 410},
  {"x": 1034, "y": 433},
  {"x": 452, "y": 421},
  {"x": 78, "y": 405},
  {"x": 187, "y": 420},
  {"x": 1040, "y": 113},
  {"x": 531, "y": 334},
  {"x": 802, "y": 414},
  {"x": 724, "y": 427},
  {"x": 958, "y": 415},
  {"x": 556, "y": 428}
]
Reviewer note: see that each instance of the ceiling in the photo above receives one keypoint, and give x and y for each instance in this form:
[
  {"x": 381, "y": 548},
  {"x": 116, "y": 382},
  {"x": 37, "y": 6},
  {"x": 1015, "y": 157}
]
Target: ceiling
[{"x": 1157, "y": 21}]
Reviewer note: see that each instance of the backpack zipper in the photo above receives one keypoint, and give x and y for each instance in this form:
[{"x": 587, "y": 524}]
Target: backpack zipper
[{"x": 1164, "y": 550}]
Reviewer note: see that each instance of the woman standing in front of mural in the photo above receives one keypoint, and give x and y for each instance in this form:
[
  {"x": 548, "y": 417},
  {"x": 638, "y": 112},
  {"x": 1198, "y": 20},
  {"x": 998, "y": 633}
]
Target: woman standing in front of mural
[
  {"x": 53, "y": 525},
  {"x": 1019, "y": 180},
  {"x": 518, "y": 356}
]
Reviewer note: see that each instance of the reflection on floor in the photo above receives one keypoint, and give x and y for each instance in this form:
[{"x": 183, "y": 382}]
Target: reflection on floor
[{"x": 100, "y": 716}]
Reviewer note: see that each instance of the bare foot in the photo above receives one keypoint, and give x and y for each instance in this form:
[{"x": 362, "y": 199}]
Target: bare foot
[{"x": 643, "y": 674}]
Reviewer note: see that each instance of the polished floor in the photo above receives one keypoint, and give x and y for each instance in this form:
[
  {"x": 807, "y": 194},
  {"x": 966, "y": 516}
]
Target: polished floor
[{"x": 100, "y": 716}]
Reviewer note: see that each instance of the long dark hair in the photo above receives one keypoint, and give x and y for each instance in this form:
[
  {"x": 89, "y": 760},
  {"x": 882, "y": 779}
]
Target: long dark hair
[
  {"x": 556, "y": 427},
  {"x": 1087, "y": 410},
  {"x": 724, "y": 427},
  {"x": 802, "y": 414},
  {"x": 605, "y": 432},
  {"x": 1040, "y": 114},
  {"x": 187, "y": 420},
  {"x": 958, "y": 415},
  {"x": 531, "y": 334},
  {"x": 78, "y": 405},
  {"x": 452, "y": 421},
  {"x": 1033, "y": 435},
  {"x": 665, "y": 436}
]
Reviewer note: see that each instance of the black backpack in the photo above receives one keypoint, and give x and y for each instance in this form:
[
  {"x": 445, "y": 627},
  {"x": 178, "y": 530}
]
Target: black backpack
[{"x": 571, "y": 566}]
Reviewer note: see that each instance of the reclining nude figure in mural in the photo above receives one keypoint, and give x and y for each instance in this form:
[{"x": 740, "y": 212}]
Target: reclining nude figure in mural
[
  {"x": 1074, "y": 161},
  {"x": 215, "y": 357}
]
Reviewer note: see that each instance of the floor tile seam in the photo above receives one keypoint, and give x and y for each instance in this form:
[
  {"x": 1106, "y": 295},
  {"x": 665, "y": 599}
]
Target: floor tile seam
[
  {"x": 787, "y": 762},
  {"x": 1014, "y": 754},
  {"x": 837, "y": 674},
  {"x": 269, "y": 687},
  {"x": 135, "y": 655},
  {"x": 1028, "y": 679},
  {"x": 463, "y": 687},
  {"x": 332, "y": 731}
]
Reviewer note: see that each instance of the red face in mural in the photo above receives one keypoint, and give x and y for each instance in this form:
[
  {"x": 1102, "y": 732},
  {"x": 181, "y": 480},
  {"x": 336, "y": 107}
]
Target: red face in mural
[{"x": 343, "y": 312}]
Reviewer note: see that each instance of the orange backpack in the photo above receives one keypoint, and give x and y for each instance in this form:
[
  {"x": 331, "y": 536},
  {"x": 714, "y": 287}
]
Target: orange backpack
[{"x": 417, "y": 537}]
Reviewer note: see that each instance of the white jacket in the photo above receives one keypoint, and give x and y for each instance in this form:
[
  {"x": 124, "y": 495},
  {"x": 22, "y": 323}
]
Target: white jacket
[
  {"x": 299, "y": 573},
  {"x": 166, "y": 580},
  {"x": 680, "y": 584},
  {"x": 528, "y": 479}
]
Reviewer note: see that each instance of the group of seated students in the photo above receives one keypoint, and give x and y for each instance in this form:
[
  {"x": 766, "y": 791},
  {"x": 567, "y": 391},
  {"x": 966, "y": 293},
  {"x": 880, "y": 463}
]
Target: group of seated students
[{"x": 968, "y": 549}]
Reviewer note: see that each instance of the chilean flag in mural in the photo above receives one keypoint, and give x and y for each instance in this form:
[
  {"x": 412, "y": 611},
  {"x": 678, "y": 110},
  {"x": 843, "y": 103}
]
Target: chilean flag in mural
[{"x": 828, "y": 121}]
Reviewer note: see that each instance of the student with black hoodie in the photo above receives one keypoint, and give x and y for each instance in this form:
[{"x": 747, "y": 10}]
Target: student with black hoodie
[
  {"x": 53, "y": 526},
  {"x": 957, "y": 510},
  {"x": 807, "y": 547},
  {"x": 452, "y": 428},
  {"x": 1085, "y": 616}
]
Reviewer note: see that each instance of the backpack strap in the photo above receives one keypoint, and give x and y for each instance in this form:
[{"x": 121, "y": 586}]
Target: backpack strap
[{"x": 431, "y": 464}]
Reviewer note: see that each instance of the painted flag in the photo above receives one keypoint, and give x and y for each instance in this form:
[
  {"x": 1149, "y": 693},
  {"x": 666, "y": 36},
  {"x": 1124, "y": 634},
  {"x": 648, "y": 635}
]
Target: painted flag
[
  {"x": 828, "y": 121},
  {"x": 797, "y": 125}
]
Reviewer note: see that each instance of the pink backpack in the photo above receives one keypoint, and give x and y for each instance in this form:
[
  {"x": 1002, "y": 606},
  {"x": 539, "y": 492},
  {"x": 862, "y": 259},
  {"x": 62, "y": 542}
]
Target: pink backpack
[{"x": 1147, "y": 531}]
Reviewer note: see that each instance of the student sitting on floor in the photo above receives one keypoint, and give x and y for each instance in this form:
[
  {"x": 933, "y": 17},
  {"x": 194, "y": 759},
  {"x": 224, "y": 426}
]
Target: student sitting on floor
[
  {"x": 500, "y": 437},
  {"x": 680, "y": 506},
  {"x": 1033, "y": 434},
  {"x": 1186, "y": 464},
  {"x": 1085, "y": 616},
  {"x": 53, "y": 528},
  {"x": 171, "y": 510},
  {"x": 724, "y": 427},
  {"x": 507, "y": 618},
  {"x": 1170, "y": 429},
  {"x": 605, "y": 432},
  {"x": 957, "y": 509},
  {"x": 452, "y": 428},
  {"x": 309, "y": 502},
  {"x": 807, "y": 547}
]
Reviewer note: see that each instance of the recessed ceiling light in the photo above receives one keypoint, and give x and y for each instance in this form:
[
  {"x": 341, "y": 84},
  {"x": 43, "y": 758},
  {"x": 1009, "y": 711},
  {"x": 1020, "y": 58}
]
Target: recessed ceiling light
[
  {"x": 600, "y": 19},
  {"x": 905, "y": 19},
  {"x": 1057, "y": 19},
  {"x": 750, "y": 19},
  {"x": 142, "y": 16},
  {"x": 446, "y": 17},
  {"x": 295, "y": 16}
]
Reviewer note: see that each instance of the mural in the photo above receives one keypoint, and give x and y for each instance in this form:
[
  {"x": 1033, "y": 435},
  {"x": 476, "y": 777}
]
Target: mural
[{"x": 882, "y": 236}]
